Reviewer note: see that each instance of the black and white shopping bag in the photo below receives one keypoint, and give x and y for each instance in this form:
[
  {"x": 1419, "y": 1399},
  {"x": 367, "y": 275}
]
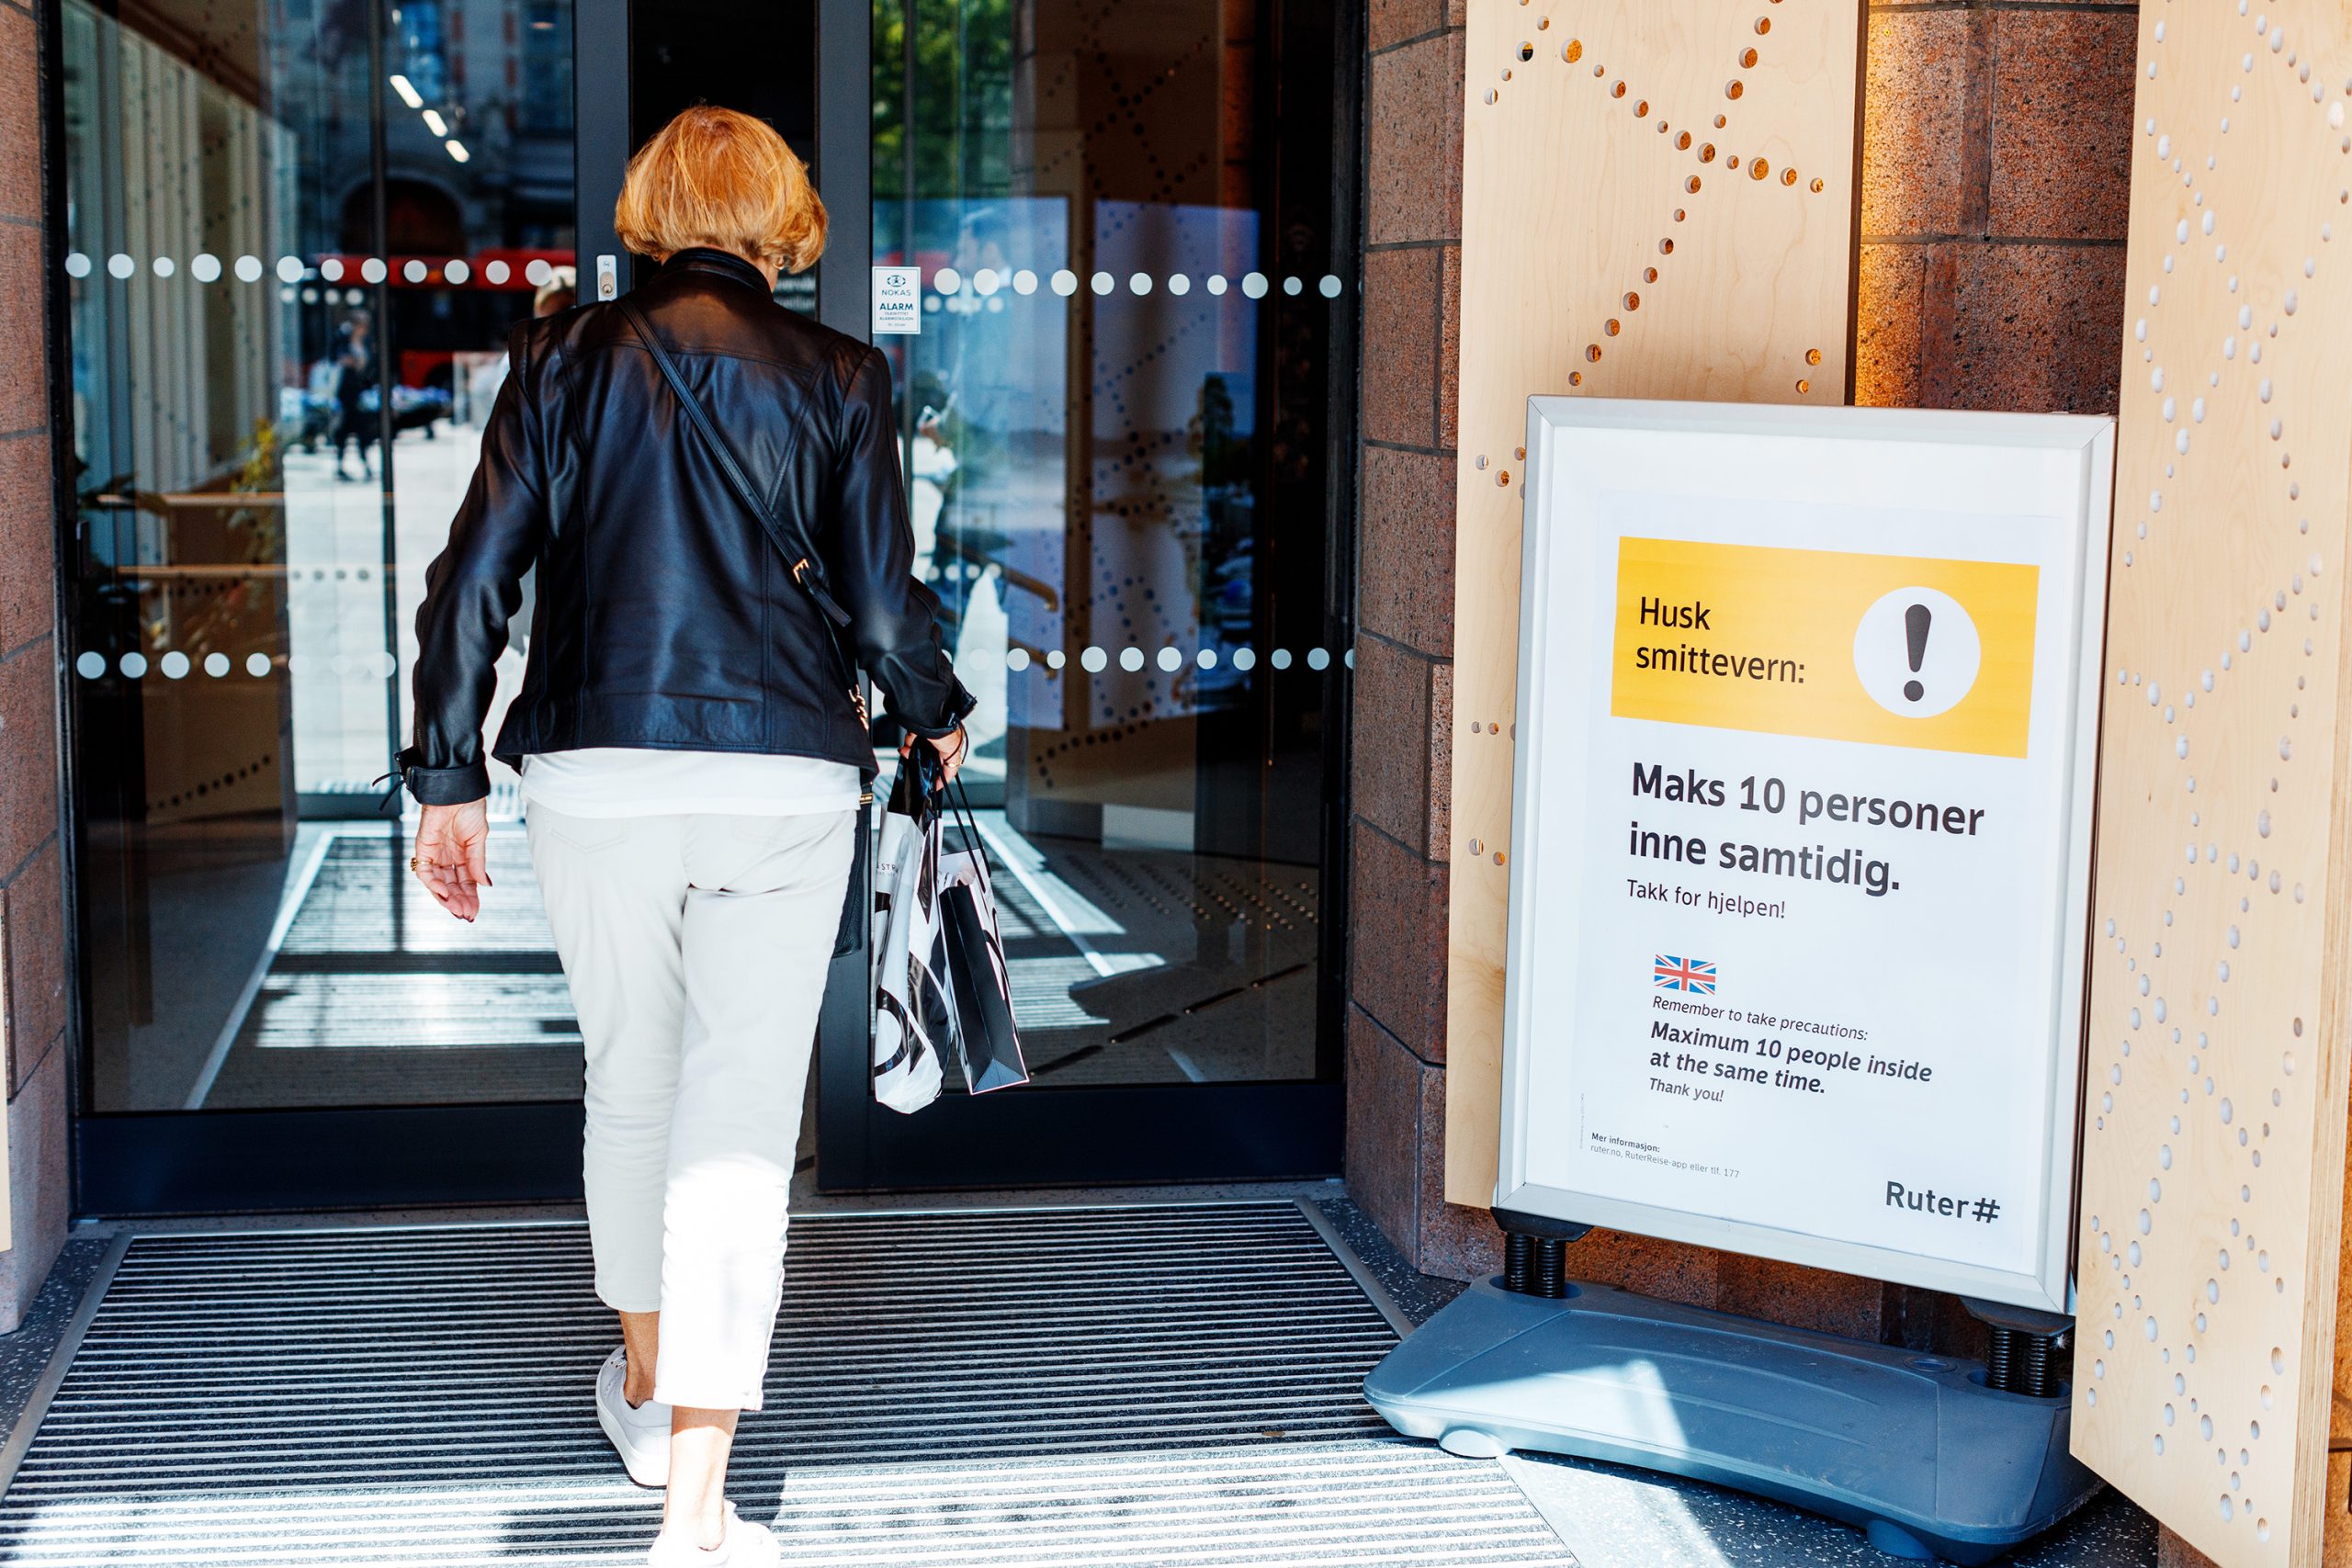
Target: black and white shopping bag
[
  {"x": 914, "y": 1010},
  {"x": 986, "y": 1041}
]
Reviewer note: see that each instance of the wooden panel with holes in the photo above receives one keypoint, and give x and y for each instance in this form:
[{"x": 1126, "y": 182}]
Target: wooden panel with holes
[
  {"x": 2208, "y": 1374},
  {"x": 1658, "y": 202}
]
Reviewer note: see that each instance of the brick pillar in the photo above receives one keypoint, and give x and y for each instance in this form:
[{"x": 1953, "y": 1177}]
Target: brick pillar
[{"x": 32, "y": 897}]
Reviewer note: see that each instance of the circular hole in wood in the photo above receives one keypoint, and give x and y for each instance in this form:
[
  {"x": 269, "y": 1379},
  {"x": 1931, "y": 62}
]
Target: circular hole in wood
[
  {"x": 1732, "y": 161},
  {"x": 1572, "y": 51},
  {"x": 1592, "y": 353},
  {"x": 1527, "y": 51},
  {"x": 1788, "y": 177},
  {"x": 1812, "y": 356},
  {"x": 1747, "y": 58},
  {"x": 1683, "y": 141},
  {"x": 1732, "y": 89},
  {"x": 1575, "y": 377},
  {"x": 1805, "y": 386},
  {"x": 1678, "y": 213},
  {"x": 1506, "y": 72},
  {"x": 1763, "y": 23},
  {"x": 1502, "y": 478},
  {"x": 1490, "y": 94},
  {"x": 1543, "y": 23},
  {"x": 1617, "y": 90},
  {"x": 1601, "y": 69},
  {"x": 1613, "y": 328},
  {"x": 1758, "y": 168},
  {"x": 1689, "y": 185},
  {"x": 1649, "y": 274},
  {"x": 1642, "y": 110},
  {"x": 1722, "y": 120},
  {"x": 1816, "y": 183},
  {"x": 1666, "y": 247},
  {"x": 1707, "y": 153},
  {"x": 1632, "y": 301}
]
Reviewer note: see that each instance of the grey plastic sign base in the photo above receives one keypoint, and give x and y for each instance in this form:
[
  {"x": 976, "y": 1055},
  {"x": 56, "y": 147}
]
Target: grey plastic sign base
[{"x": 1914, "y": 1448}]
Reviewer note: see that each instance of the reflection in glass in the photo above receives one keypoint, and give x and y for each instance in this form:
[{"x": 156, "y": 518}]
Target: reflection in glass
[
  {"x": 299, "y": 232},
  {"x": 1114, "y": 422}
]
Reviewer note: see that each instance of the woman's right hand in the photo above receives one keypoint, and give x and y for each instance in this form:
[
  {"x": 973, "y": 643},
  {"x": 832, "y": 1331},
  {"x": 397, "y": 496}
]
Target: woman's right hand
[{"x": 452, "y": 855}]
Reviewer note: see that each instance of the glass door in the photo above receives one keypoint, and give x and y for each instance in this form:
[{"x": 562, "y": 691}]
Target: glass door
[
  {"x": 297, "y": 234},
  {"x": 1122, "y": 420}
]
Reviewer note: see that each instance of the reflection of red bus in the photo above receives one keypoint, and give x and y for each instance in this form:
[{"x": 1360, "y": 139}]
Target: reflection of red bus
[{"x": 512, "y": 270}]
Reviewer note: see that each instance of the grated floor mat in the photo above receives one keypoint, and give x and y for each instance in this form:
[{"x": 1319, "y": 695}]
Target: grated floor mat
[{"x": 1121, "y": 1386}]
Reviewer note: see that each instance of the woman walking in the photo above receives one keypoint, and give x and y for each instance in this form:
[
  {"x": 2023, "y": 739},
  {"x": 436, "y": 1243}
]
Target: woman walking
[{"x": 709, "y": 487}]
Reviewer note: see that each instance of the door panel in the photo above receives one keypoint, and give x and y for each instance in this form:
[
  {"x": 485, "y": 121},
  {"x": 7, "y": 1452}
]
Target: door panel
[
  {"x": 1118, "y": 428},
  {"x": 2209, "y": 1383}
]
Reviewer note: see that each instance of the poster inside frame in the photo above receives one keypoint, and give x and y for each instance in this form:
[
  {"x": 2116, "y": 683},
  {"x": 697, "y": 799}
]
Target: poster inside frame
[{"x": 1808, "y": 707}]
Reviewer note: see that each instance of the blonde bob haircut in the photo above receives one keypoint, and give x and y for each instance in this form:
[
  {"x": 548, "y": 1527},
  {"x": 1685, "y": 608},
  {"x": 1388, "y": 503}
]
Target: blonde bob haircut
[{"x": 721, "y": 178}]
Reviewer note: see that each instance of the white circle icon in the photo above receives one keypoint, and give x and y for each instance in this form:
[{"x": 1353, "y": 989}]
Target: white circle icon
[{"x": 1916, "y": 653}]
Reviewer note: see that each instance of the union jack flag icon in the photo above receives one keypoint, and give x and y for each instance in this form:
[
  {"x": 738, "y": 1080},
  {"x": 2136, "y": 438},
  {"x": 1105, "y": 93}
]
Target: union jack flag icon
[{"x": 1684, "y": 975}]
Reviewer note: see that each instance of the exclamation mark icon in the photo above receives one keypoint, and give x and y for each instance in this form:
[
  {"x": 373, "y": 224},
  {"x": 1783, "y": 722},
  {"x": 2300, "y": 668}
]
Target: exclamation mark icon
[{"x": 1914, "y": 632}]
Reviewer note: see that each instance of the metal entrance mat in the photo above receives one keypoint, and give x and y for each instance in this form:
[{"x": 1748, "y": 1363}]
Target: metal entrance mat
[{"x": 1171, "y": 1385}]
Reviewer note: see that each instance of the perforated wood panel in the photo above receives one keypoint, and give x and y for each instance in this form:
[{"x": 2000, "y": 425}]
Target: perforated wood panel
[
  {"x": 2214, "y": 1139},
  {"x": 1658, "y": 202}
]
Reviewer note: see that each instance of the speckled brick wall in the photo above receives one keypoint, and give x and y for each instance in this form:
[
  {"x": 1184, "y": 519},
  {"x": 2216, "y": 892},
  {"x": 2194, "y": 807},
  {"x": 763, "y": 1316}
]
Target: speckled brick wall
[
  {"x": 32, "y": 900},
  {"x": 1996, "y": 156}
]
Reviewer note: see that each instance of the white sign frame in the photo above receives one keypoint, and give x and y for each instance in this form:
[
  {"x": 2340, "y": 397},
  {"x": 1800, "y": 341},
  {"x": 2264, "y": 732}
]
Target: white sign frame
[{"x": 2010, "y": 462}]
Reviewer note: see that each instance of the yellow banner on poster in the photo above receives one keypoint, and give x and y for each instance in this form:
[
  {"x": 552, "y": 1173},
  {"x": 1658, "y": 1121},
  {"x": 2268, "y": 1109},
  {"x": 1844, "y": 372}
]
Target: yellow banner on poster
[{"x": 1891, "y": 650}]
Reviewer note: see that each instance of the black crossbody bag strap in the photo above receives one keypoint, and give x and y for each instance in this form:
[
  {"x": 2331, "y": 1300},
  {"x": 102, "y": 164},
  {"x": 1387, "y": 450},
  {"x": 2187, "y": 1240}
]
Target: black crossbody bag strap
[{"x": 807, "y": 569}]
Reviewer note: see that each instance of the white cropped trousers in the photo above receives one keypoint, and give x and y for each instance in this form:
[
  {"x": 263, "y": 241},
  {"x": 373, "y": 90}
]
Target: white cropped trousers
[{"x": 696, "y": 948}]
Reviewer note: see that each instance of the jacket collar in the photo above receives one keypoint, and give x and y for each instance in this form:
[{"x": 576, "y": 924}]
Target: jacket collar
[{"x": 715, "y": 262}]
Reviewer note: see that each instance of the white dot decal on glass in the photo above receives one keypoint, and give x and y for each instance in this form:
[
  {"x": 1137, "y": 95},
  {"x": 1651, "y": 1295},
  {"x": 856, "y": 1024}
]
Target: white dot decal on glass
[
  {"x": 290, "y": 270},
  {"x": 1016, "y": 658},
  {"x": 1139, "y": 282},
  {"x": 537, "y": 271},
  {"x": 1349, "y": 658},
  {"x": 165, "y": 266},
  {"x": 1318, "y": 658},
  {"x": 121, "y": 266},
  {"x": 173, "y": 665},
  {"x": 1103, "y": 283},
  {"x": 1178, "y": 285},
  {"x": 497, "y": 272},
  {"x": 77, "y": 264},
  {"x": 256, "y": 664},
  {"x": 1245, "y": 659},
  {"x": 310, "y": 296},
  {"x": 1281, "y": 659},
  {"x": 373, "y": 270},
  {"x": 205, "y": 267},
  {"x": 985, "y": 282},
  {"x": 1170, "y": 660},
  {"x": 414, "y": 271},
  {"x": 1025, "y": 282},
  {"x": 1254, "y": 285},
  {"x": 1330, "y": 285},
  {"x": 354, "y": 296},
  {"x": 134, "y": 665},
  {"x": 249, "y": 269},
  {"x": 285, "y": 296},
  {"x": 216, "y": 665},
  {"x": 1217, "y": 284},
  {"x": 1093, "y": 659},
  {"x": 947, "y": 281},
  {"x": 1065, "y": 283},
  {"x": 1207, "y": 658},
  {"x": 1292, "y": 286},
  {"x": 1055, "y": 660},
  {"x": 331, "y": 269},
  {"x": 1131, "y": 659},
  {"x": 91, "y": 665},
  {"x": 457, "y": 271}
]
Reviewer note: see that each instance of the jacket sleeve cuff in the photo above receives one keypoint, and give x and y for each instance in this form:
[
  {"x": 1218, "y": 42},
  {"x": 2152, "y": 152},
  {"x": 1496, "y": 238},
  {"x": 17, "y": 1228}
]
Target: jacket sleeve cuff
[
  {"x": 960, "y": 703},
  {"x": 445, "y": 787}
]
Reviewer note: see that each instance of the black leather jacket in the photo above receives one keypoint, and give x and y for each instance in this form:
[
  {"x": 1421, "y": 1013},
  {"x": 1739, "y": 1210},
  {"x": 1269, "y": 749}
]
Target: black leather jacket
[{"x": 667, "y": 618}]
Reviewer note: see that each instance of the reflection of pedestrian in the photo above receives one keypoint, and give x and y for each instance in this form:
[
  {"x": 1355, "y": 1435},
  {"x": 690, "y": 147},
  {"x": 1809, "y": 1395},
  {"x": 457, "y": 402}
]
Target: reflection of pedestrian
[
  {"x": 560, "y": 292},
  {"x": 355, "y": 373}
]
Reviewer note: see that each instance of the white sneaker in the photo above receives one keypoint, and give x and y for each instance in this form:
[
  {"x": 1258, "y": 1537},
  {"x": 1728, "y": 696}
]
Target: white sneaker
[
  {"x": 642, "y": 1434},
  {"x": 745, "y": 1545}
]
